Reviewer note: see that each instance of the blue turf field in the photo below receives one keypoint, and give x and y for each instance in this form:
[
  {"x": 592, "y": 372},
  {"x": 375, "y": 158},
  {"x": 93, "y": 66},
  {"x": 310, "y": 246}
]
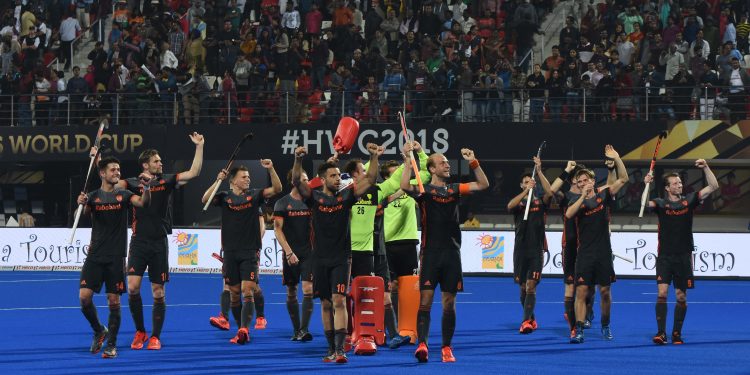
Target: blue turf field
[{"x": 45, "y": 332}]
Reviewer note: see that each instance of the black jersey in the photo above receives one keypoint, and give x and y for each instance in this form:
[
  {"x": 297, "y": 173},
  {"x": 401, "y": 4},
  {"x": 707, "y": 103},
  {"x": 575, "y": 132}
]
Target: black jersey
[
  {"x": 676, "y": 223},
  {"x": 439, "y": 214},
  {"x": 154, "y": 221},
  {"x": 570, "y": 231},
  {"x": 297, "y": 223},
  {"x": 593, "y": 225},
  {"x": 240, "y": 231},
  {"x": 530, "y": 235},
  {"x": 109, "y": 222},
  {"x": 331, "y": 227}
]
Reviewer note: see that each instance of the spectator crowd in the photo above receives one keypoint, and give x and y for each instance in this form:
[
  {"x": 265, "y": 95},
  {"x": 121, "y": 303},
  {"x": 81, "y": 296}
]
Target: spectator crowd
[{"x": 225, "y": 61}]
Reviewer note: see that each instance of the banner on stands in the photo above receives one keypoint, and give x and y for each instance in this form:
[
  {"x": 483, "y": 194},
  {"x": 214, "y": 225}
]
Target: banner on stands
[
  {"x": 72, "y": 143},
  {"x": 190, "y": 251}
]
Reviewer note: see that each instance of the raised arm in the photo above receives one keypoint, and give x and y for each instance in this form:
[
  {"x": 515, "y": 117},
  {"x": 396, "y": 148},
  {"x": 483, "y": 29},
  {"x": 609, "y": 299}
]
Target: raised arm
[
  {"x": 560, "y": 180},
  {"x": 622, "y": 172},
  {"x": 275, "y": 187},
  {"x": 611, "y": 172},
  {"x": 219, "y": 179},
  {"x": 713, "y": 183},
  {"x": 543, "y": 179},
  {"x": 393, "y": 183},
  {"x": 195, "y": 168},
  {"x": 648, "y": 179},
  {"x": 302, "y": 186},
  {"x": 405, "y": 184},
  {"x": 481, "y": 183},
  {"x": 372, "y": 170}
]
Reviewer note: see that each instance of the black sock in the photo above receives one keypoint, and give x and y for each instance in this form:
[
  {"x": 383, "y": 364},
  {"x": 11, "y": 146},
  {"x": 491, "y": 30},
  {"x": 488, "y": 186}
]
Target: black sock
[
  {"x": 661, "y": 314},
  {"x": 680, "y": 310},
  {"x": 449, "y": 326},
  {"x": 339, "y": 337},
  {"x": 157, "y": 314},
  {"x": 570, "y": 310},
  {"x": 89, "y": 311},
  {"x": 236, "y": 308},
  {"x": 423, "y": 324},
  {"x": 307, "y": 310},
  {"x": 390, "y": 321},
  {"x": 260, "y": 304},
  {"x": 114, "y": 323},
  {"x": 523, "y": 299},
  {"x": 225, "y": 303},
  {"x": 589, "y": 305},
  {"x": 246, "y": 313},
  {"x": 579, "y": 327},
  {"x": 528, "y": 307},
  {"x": 292, "y": 306},
  {"x": 136, "y": 310},
  {"x": 394, "y": 301},
  {"x": 331, "y": 340}
]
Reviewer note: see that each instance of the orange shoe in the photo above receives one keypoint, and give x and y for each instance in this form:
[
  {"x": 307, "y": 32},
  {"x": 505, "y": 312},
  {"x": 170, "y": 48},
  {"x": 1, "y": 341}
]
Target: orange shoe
[
  {"x": 154, "y": 343},
  {"x": 660, "y": 338},
  {"x": 448, "y": 354},
  {"x": 341, "y": 357},
  {"x": 219, "y": 322},
  {"x": 260, "y": 323},
  {"x": 138, "y": 341},
  {"x": 572, "y": 333},
  {"x": 526, "y": 327},
  {"x": 243, "y": 336},
  {"x": 534, "y": 325},
  {"x": 421, "y": 352}
]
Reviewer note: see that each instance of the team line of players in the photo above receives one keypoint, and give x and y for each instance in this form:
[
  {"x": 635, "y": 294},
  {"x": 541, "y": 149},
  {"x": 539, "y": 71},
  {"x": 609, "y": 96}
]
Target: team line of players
[{"x": 347, "y": 228}]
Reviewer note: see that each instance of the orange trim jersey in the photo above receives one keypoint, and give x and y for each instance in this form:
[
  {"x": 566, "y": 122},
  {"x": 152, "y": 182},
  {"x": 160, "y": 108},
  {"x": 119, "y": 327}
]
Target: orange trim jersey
[
  {"x": 439, "y": 213},
  {"x": 154, "y": 221}
]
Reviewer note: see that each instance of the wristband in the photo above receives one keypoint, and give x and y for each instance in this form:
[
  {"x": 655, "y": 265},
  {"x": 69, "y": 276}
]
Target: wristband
[
  {"x": 564, "y": 175},
  {"x": 474, "y": 164},
  {"x": 611, "y": 168},
  {"x": 146, "y": 188}
]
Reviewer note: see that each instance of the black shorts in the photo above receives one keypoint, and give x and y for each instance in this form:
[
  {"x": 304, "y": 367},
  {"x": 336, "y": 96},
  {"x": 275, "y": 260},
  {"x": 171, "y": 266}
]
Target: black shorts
[
  {"x": 569, "y": 254},
  {"x": 677, "y": 269},
  {"x": 302, "y": 271},
  {"x": 381, "y": 269},
  {"x": 96, "y": 272},
  {"x": 151, "y": 253},
  {"x": 402, "y": 258},
  {"x": 331, "y": 279},
  {"x": 363, "y": 263},
  {"x": 527, "y": 265},
  {"x": 240, "y": 267},
  {"x": 595, "y": 270},
  {"x": 441, "y": 267}
]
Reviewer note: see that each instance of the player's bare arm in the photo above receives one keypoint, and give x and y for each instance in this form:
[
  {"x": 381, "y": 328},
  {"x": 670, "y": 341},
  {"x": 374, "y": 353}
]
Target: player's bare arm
[{"x": 195, "y": 168}]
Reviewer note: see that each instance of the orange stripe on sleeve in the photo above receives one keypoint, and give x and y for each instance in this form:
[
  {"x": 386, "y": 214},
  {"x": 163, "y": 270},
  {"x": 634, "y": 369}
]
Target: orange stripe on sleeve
[{"x": 464, "y": 189}]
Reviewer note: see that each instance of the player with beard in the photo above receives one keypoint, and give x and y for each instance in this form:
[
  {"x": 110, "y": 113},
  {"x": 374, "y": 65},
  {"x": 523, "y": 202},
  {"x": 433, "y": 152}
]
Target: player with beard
[
  {"x": 105, "y": 263},
  {"x": 148, "y": 244},
  {"x": 331, "y": 210}
]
